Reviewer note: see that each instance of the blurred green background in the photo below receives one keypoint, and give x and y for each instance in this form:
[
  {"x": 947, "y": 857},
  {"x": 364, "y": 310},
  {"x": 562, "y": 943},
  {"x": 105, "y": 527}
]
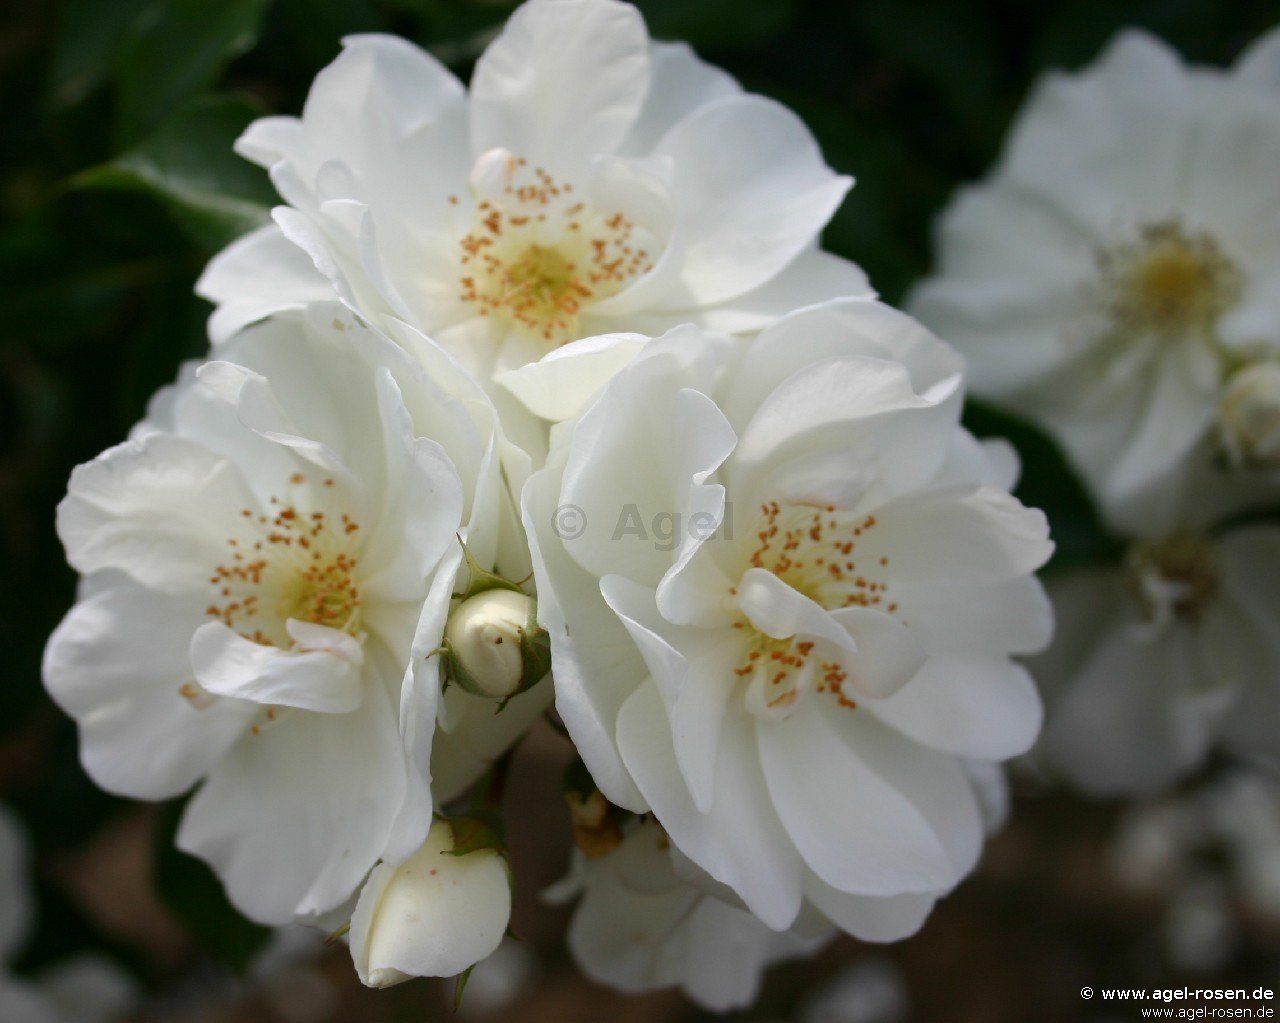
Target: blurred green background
[{"x": 117, "y": 183}]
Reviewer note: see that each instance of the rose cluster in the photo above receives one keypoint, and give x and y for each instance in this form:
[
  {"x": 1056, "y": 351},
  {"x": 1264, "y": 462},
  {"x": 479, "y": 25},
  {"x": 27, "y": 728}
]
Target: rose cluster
[{"x": 328, "y": 582}]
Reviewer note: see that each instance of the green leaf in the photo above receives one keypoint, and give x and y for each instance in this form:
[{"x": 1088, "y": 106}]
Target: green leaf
[
  {"x": 189, "y": 166},
  {"x": 192, "y": 892},
  {"x": 480, "y": 580},
  {"x": 90, "y": 35},
  {"x": 176, "y": 49},
  {"x": 473, "y": 833}
]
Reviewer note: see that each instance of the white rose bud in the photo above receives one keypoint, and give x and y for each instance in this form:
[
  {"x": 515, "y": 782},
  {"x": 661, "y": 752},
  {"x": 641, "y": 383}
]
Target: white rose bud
[
  {"x": 1251, "y": 414},
  {"x": 485, "y": 635},
  {"x": 435, "y": 915}
]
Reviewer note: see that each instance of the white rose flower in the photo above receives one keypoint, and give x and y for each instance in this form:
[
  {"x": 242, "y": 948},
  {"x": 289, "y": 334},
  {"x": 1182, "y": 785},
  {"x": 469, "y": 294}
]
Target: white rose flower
[
  {"x": 766, "y": 566},
  {"x": 434, "y": 915},
  {"x": 1120, "y": 262},
  {"x": 268, "y": 563},
  {"x": 590, "y": 181},
  {"x": 1157, "y": 661},
  {"x": 643, "y": 924}
]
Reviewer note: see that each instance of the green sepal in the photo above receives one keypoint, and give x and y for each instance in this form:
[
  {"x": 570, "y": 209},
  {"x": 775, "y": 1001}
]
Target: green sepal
[
  {"x": 473, "y": 834},
  {"x": 480, "y": 580},
  {"x": 460, "y": 985},
  {"x": 453, "y": 671}
]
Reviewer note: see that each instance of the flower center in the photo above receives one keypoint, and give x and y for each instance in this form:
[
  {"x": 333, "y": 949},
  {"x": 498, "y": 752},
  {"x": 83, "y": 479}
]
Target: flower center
[
  {"x": 290, "y": 564},
  {"x": 812, "y": 548},
  {"x": 1174, "y": 578},
  {"x": 1168, "y": 281},
  {"x": 537, "y": 258}
]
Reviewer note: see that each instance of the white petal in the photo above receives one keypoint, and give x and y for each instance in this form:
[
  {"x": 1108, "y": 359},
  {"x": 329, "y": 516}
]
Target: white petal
[
  {"x": 118, "y": 664},
  {"x": 740, "y": 842},
  {"x": 1010, "y": 616},
  {"x": 837, "y": 329},
  {"x": 752, "y": 190},
  {"x": 695, "y": 686},
  {"x": 864, "y": 835},
  {"x": 679, "y": 84},
  {"x": 325, "y": 792},
  {"x": 320, "y": 673},
  {"x": 1131, "y": 722},
  {"x": 625, "y": 480},
  {"x": 558, "y": 113},
  {"x": 1181, "y": 403},
  {"x": 255, "y": 276},
  {"x": 597, "y": 648},
  {"x": 958, "y": 533},
  {"x": 422, "y": 503},
  {"x": 978, "y": 706},
  {"x": 558, "y": 386},
  {"x": 1107, "y": 140},
  {"x": 812, "y": 277},
  {"x": 478, "y": 735},
  {"x": 1259, "y": 64},
  {"x": 728, "y": 951},
  {"x": 268, "y": 139},
  {"x": 887, "y": 656},
  {"x": 379, "y": 90},
  {"x": 779, "y": 611},
  {"x": 870, "y": 917},
  {"x": 853, "y": 405},
  {"x": 160, "y": 508}
]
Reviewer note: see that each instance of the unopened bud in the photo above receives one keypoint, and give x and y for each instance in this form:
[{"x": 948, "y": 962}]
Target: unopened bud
[
  {"x": 435, "y": 915},
  {"x": 488, "y": 640},
  {"x": 1251, "y": 415}
]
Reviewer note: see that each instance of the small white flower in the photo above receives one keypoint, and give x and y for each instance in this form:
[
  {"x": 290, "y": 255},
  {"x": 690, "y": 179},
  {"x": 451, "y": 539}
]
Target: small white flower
[
  {"x": 1120, "y": 262},
  {"x": 1156, "y": 662},
  {"x": 793, "y": 566},
  {"x": 644, "y": 924},
  {"x": 434, "y": 915},
  {"x": 268, "y": 563},
  {"x": 590, "y": 181}
]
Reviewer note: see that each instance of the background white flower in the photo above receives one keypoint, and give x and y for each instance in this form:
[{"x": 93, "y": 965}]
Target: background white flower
[
  {"x": 847, "y": 580},
  {"x": 268, "y": 563},
  {"x": 647, "y": 919},
  {"x": 1120, "y": 263},
  {"x": 590, "y": 181},
  {"x": 1157, "y": 661}
]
